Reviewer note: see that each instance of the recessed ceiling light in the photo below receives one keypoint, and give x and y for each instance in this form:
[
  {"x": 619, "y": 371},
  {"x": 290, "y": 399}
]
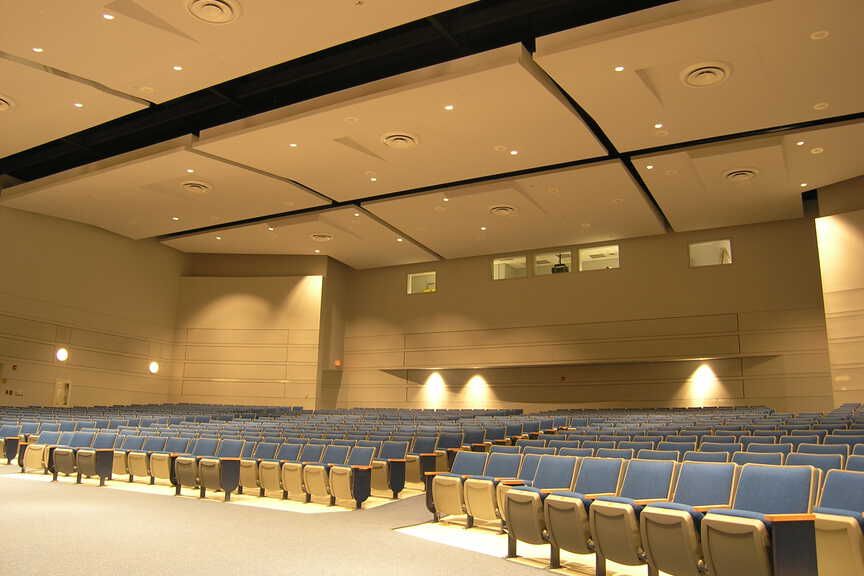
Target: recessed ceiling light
[
  {"x": 514, "y": 152},
  {"x": 317, "y": 251},
  {"x": 819, "y": 34},
  {"x": 483, "y": 228},
  {"x": 153, "y": 367},
  {"x": 445, "y": 199},
  {"x": 62, "y": 354},
  {"x": 449, "y": 107},
  {"x": 177, "y": 68},
  {"x": 649, "y": 167},
  {"x": 292, "y": 145},
  {"x": 190, "y": 170},
  {"x": 356, "y": 214},
  {"x": 619, "y": 68},
  {"x": 816, "y": 150},
  {"x": 373, "y": 179},
  {"x": 107, "y": 16},
  {"x": 78, "y": 105},
  {"x": 820, "y": 106},
  {"x": 803, "y": 184},
  {"x": 399, "y": 240},
  {"x": 175, "y": 218},
  {"x": 218, "y": 237},
  {"x": 270, "y": 228},
  {"x": 658, "y": 125},
  {"x": 799, "y": 143},
  {"x": 38, "y": 50}
]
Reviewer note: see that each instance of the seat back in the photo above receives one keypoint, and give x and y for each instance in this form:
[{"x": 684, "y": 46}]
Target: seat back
[
  {"x": 848, "y": 440},
  {"x": 173, "y": 445},
  {"x": 231, "y": 448},
  {"x": 205, "y": 447},
  {"x": 265, "y": 450},
  {"x": 765, "y": 448},
  {"x": 26, "y": 428},
  {"x": 649, "y": 479},
  {"x": 636, "y": 445},
  {"x": 133, "y": 442},
  {"x": 525, "y": 442},
  {"x": 578, "y": 452},
  {"x": 776, "y": 489},
  {"x": 449, "y": 440},
  {"x": 597, "y": 444},
  {"x": 626, "y": 453},
  {"x": 558, "y": 444},
  {"x": 537, "y": 450},
  {"x": 679, "y": 447},
  {"x": 772, "y": 458},
  {"x": 49, "y": 438},
  {"x": 823, "y": 462},
  {"x": 289, "y": 452},
  {"x": 855, "y": 463},
  {"x": 393, "y": 449},
  {"x": 705, "y": 483},
  {"x": 312, "y": 452},
  {"x": 858, "y": 450},
  {"x": 528, "y": 470},
  {"x": 424, "y": 444},
  {"x": 361, "y": 456},
  {"x": 335, "y": 454},
  {"x": 104, "y": 440},
  {"x": 502, "y": 465},
  {"x": 68, "y": 426},
  {"x": 82, "y": 440},
  {"x": 841, "y": 449},
  {"x": 473, "y": 436},
  {"x": 683, "y": 438},
  {"x": 555, "y": 472},
  {"x": 729, "y": 447},
  {"x": 693, "y": 456},
  {"x": 65, "y": 438},
  {"x": 471, "y": 463},
  {"x": 843, "y": 490},
  {"x": 496, "y": 448},
  {"x": 796, "y": 441},
  {"x": 657, "y": 455},
  {"x": 8, "y": 430},
  {"x": 370, "y": 444},
  {"x": 600, "y": 475}
]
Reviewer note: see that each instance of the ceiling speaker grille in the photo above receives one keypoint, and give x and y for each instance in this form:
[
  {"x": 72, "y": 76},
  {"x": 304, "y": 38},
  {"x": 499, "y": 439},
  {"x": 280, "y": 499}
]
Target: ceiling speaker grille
[
  {"x": 196, "y": 187},
  {"x": 399, "y": 140},
  {"x": 705, "y": 74},
  {"x": 502, "y": 210},
  {"x": 214, "y": 11},
  {"x": 321, "y": 237},
  {"x": 741, "y": 175}
]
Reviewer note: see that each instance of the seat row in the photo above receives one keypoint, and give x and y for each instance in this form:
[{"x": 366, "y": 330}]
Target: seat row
[{"x": 680, "y": 518}]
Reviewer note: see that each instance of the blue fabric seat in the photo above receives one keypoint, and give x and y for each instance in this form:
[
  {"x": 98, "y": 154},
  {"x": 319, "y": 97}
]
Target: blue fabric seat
[
  {"x": 153, "y": 458},
  {"x": 597, "y": 444},
  {"x": 658, "y": 455},
  {"x": 423, "y": 445},
  {"x": 855, "y": 463},
  {"x": 841, "y": 449},
  {"x": 186, "y": 465},
  {"x": 496, "y": 448},
  {"x": 86, "y": 458},
  {"x": 679, "y": 447},
  {"x": 692, "y": 456},
  {"x": 771, "y": 458},
  {"x": 626, "y": 453},
  {"x": 316, "y": 477},
  {"x": 352, "y": 481},
  {"x": 737, "y": 540},
  {"x": 65, "y": 457},
  {"x": 538, "y": 450},
  {"x": 636, "y": 445},
  {"x": 784, "y": 449},
  {"x": 447, "y": 492},
  {"x": 249, "y": 465},
  {"x": 222, "y": 471},
  {"x": 389, "y": 468},
  {"x": 839, "y": 524},
  {"x": 823, "y": 462},
  {"x": 579, "y": 452}
]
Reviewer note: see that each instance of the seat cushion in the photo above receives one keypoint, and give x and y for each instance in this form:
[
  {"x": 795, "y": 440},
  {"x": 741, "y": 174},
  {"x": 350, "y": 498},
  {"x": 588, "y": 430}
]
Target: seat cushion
[
  {"x": 742, "y": 514},
  {"x": 839, "y": 512},
  {"x": 586, "y": 502},
  {"x": 622, "y": 500},
  {"x": 695, "y": 514}
]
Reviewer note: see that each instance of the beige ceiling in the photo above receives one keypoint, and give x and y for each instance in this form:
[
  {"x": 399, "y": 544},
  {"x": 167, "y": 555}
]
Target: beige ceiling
[
  {"x": 43, "y": 106},
  {"x": 136, "y": 51},
  {"x": 578, "y": 205},
  {"x": 357, "y": 239},
  {"x": 693, "y": 191},
  {"x": 777, "y": 72},
  {"x": 138, "y": 194},
  {"x": 501, "y": 102}
]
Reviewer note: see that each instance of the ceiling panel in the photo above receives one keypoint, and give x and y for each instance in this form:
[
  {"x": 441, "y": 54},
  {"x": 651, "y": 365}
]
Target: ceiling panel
[
  {"x": 580, "y": 205},
  {"x": 140, "y": 194},
  {"x": 42, "y": 106},
  {"x": 784, "y": 61},
  {"x": 485, "y": 114},
  {"x": 136, "y": 51},
  {"x": 752, "y": 180},
  {"x": 351, "y": 236}
]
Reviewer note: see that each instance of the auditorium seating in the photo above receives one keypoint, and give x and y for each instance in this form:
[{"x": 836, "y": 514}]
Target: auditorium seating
[
  {"x": 839, "y": 523},
  {"x": 447, "y": 487},
  {"x": 222, "y": 472},
  {"x": 351, "y": 481},
  {"x": 479, "y": 491}
]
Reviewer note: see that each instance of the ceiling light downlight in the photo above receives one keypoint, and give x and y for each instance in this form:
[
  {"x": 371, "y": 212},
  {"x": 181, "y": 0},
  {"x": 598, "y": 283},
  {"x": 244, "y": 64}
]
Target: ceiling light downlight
[
  {"x": 196, "y": 187},
  {"x": 705, "y": 74},
  {"x": 214, "y": 11},
  {"x": 502, "y": 210},
  {"x": 740, "y": 175},
  {"x": 399, "y": 140},
  {"x": 321, "y": 237}
]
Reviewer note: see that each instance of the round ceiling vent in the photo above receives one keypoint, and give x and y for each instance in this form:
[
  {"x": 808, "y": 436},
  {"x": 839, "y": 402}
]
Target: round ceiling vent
[
  {"x": 503, "y": 210},
  {"x": 214, "y": 11},
  {"x": 5, "y": 103},
  {"x": 741, "y": 175},
  {"x": 399, "y": 140},
  {"x": 705, "y": 74},
  {"x": 321, "y": 237},
  {"x": 196, "y": 187}
]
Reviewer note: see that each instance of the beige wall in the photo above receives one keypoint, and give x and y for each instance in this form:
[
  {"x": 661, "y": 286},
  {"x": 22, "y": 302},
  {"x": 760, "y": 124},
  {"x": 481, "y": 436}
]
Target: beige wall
[
  {"x": 249, "y": 340},
  {"x": 109, "y": 300},
  {"x": 841, "y": 255},
  {"x": 602, "y": 338}
]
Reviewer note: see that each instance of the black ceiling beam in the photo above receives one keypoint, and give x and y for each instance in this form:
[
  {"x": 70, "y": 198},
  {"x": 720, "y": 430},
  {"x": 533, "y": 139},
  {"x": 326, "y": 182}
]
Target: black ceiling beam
[{"x": 475, "y": 27}]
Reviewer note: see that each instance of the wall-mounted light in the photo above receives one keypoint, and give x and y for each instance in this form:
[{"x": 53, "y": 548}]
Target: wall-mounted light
[
  {"x": 153, "y": 367},
  {"x": 62, "y": 354}
]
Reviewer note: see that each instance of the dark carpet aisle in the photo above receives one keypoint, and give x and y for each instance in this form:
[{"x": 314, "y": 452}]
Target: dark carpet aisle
[{"x": 67, "y": 530}]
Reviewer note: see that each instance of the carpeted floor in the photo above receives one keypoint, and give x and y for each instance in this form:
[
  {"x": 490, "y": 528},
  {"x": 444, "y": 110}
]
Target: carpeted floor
[{"x": 63, "y": 529}]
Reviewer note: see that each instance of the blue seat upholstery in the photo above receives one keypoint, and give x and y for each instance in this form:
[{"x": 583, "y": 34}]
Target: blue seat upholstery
[
  {"x": 771, "y": 458},
  {"x": 86, "y": 458},
  {"x": 447, "y": 492},
  {"x": 353, "y": 479},
  {"x": 316, "y": 477},
  {"x": 626, "y": 453},
  {"x": 658, "y": 455},
  {"x": 636, "y": 446},
  {"x": 855, "y": 463},
  {"x": 422, "y": 445},
  {"x": 222, "y": 471},
  {"x": 691, "y": 456},
  {"x": 784, "y": 449},
  {"x": 858, "y": 450},
  {"x": 596, "y": 444},
  {"x": 65, "y": 457},
  {"x": 679, "y": 447},
  {"x": 538, "y": 450},
  {"x": 389, "y": 468},
  {"x": 579, "y": 452},
  {"x": 845, "y": 439},
  {"x": 839, "y": 524},
  {"x": 728, "y": 447},
  {"x": 249, "y": 466},
  {"x": 558, "y": 444},
  {"x": 504, "y": 449},
  {"x": 841, "y": 449},
  {"x": 796, "y": 441},
  {"x": 525, "y": 442},
  {"x": 823, "y": 462}
]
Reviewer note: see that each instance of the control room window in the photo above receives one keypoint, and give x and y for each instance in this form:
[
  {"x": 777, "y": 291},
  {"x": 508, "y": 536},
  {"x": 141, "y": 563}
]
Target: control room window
[
  {"x": 599, "y": 258},
  {"x": 712, "y": 253},
  {"x": 509, "y": 267},
  {"x": 421, "y": 283},
  {"x": 552, "y": 263}
]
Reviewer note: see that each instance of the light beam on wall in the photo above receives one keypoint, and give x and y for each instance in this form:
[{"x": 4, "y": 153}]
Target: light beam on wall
[
  {"x": 477, "y": 392},
  {"x": 702, "y": 384},
  {"x": 434, "y": 391}
]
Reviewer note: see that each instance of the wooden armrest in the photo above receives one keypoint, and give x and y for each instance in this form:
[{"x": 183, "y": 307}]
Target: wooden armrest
[
  {"x": 430, "y": 473},
  {"x": 503, "y": 479},
  {"x": 397, "y": 459},
  {"x": 230, "y": 459},
  {"x": 598, "y": 495},
  {"x": 644, "y": 501},
  {"x": 454, "y": 449},
  {"x": 550, "y": 490},
  {"x": 12, "y": 437},
  {"x": 359, "y": 467},
  {"x": 103, "y": 449},
  {"x": 790, "y": 517},
  {"x": 512, "y": 482},
  {"x": 706, "y": 508},
  {"x": 428, "y": 454}
]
